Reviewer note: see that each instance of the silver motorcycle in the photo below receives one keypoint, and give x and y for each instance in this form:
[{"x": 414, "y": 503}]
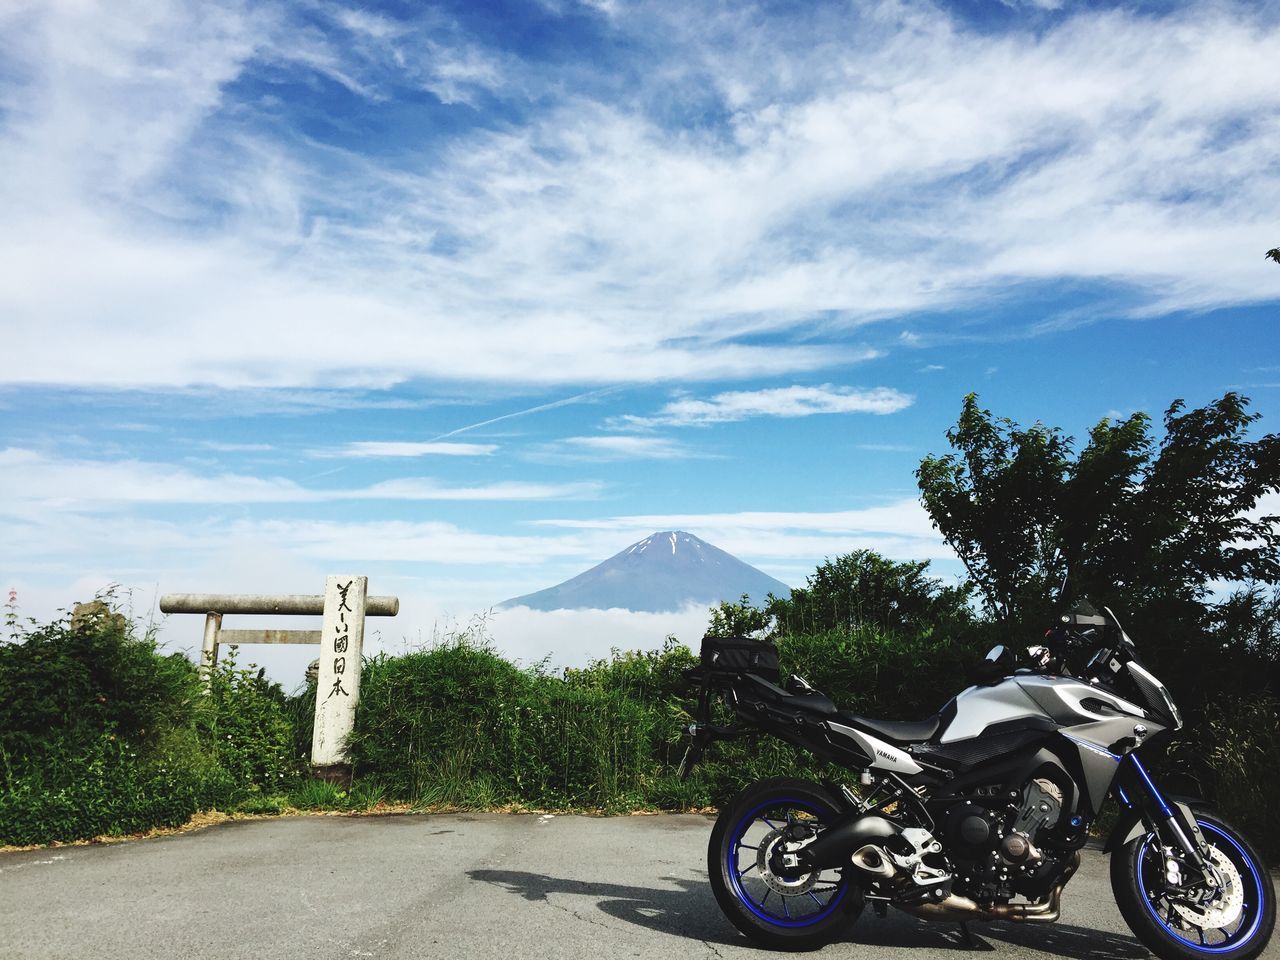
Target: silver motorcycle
[{"x": 978, "y": 812}]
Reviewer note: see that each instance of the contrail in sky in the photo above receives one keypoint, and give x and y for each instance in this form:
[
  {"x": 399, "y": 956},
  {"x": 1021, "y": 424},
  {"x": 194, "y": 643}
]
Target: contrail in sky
[{"x": 589, "y": 395}]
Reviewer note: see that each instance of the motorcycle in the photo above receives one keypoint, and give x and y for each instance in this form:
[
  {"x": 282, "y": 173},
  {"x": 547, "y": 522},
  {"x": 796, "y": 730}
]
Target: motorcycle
[{"x": 979, "y": 812}]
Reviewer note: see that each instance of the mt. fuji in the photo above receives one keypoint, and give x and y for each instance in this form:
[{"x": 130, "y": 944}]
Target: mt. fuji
[{"x": 663, "y": 572}]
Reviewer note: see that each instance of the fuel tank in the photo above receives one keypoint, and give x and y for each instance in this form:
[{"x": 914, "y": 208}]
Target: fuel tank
[
  {"x": 1093, "y": 712},
  {"x": 1094, "y": 720}
]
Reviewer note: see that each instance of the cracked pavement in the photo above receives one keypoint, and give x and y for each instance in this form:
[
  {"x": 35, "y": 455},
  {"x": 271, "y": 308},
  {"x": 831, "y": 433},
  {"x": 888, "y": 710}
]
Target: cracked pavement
[{"x": 454, "y": 886}]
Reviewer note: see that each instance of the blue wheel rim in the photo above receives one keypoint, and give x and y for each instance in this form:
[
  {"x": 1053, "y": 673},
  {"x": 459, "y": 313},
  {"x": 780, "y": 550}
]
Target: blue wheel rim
[
  {"x": 1251, "y": 911},
  {"x": 758, "y": 905}
]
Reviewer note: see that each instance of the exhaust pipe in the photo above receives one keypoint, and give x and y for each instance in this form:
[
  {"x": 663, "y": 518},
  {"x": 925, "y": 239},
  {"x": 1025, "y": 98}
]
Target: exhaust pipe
[
  {"x": 837, "y": 844},
  {"x": 956, "y": 907},
  {"x": 871, "y": 860}
]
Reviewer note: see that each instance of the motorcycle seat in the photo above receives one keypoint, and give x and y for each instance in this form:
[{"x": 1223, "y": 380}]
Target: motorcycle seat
[
  {"x": 814, "y": 702},
  {"x": 811, "y": 701},
  {"x": 899, "y": 731}
]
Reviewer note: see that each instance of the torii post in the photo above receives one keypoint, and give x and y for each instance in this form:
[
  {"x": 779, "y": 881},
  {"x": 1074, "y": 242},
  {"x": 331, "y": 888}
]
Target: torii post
[{"x": 343, "y": 606}]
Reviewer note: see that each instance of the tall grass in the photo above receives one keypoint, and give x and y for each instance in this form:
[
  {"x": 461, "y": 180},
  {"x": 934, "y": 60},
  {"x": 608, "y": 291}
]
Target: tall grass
[{"x": 459, "y": 725}]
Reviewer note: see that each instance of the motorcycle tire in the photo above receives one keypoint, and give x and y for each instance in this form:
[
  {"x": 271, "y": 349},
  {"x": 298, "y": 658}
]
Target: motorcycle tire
[
  {"x": 1248, "y": 913},
  {"x": 773, "y": 911}
]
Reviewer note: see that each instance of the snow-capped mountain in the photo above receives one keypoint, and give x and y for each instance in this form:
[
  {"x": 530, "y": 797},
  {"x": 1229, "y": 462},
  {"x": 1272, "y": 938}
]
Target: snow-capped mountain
[{"x": 665, "y": 571}]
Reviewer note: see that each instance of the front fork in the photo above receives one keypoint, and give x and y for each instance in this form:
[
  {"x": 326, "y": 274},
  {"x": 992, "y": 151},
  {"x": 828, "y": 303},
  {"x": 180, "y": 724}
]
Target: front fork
[{"x": 1169, "y": 819}]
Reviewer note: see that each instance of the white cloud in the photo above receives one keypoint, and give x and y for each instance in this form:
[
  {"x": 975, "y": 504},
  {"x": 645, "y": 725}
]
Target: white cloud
[
  {"x": 776, "y": 402},
  {"x": 1268, "y": 505},
  {"x": 32, "y": 478},
  {"x": 1049, "y": 5},
  {"x": 392, "y": 448},
  {"x": 874, "y": 161},
  {"x": 902, "y": 516},
  {"x": 901, "y": 530},
  {"x": 576, "y": 637},
  {"x": 45, "y": 539},
  {"x": 622, "y": 447},
  {"x": 423, "y": 488},
  {"x": 225, "y": 447}
]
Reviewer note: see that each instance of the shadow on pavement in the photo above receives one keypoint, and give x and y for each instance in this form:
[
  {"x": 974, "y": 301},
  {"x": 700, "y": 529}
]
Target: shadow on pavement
[
  {"x": 1077, "y": 943},
  {"x": 690, "y": 910}
]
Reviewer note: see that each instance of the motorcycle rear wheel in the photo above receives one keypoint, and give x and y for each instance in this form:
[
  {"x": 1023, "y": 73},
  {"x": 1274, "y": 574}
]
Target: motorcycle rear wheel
[{"x": 776, "y": 912}]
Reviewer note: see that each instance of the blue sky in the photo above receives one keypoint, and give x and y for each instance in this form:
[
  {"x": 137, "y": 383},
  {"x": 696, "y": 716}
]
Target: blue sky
[{"x": 470, "y": 296}]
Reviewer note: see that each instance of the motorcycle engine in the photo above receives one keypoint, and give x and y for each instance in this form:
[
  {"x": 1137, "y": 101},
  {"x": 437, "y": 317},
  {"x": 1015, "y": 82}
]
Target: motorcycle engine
[{"x": 994, "y": 845}]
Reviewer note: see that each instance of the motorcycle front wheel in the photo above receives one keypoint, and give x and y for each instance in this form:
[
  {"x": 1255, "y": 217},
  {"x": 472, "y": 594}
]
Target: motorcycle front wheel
[
  {"x": 778, "y": 912},
  {"x": 1232, "y": 920}
]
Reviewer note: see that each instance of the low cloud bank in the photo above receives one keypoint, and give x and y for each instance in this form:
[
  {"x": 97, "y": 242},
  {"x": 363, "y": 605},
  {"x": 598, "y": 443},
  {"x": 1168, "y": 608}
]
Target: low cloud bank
[
  {"x": 572, "y": 638},
  {"x": 564, "y": 638}
]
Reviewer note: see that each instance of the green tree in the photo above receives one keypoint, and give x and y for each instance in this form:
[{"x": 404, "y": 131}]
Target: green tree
[
  {"x": 860, "y": 590},
  {"x": 740, "y": 618},
  {"x": 996, "y": 502},
  {"x": 1148, "y": 527},
  {"x": 865, "y": 590}
]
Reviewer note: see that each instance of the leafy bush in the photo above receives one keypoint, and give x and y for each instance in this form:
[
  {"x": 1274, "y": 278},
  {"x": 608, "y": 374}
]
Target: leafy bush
[
  {"x": 245, "y": 722},
  {"x": 107, "y": 788},
  {"x": 365, "y": 795},
  {"x": 459, "y": 725},
  {"x": 1232, "y": 758},
  {"x": 101, "y": 733},
  {"x": 863, "y": 590},
  {"x": 68, "y": 682},
  {"x": 133, "y": 742}
]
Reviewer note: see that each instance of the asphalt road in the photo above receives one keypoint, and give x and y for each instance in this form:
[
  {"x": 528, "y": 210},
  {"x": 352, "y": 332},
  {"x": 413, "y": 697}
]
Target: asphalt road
[{"x": 461, "y": 886}]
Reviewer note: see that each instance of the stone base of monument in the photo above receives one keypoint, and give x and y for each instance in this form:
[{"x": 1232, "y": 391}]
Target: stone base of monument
[{"x": 339, "y": 774}]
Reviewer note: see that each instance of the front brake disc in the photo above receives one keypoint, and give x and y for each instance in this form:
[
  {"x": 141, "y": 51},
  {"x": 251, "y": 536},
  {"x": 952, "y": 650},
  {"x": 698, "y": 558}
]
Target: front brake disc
[{"x": 1225, "y": 908}]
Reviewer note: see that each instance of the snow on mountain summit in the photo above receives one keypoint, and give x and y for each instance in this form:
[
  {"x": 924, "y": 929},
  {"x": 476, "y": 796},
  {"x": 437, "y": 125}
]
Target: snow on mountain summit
[{"x": 665, "y": 571}]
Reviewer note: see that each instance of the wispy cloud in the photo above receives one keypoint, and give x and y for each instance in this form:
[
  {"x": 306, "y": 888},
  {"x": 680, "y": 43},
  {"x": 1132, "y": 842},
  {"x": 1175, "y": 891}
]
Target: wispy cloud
[
  {"x": 906, "y": 517},
  {"x": 427, "y": 489},
  {"x": 795, "y": 401},
  {"x": 622, "y": 448},
  {"x": 398, "y": 448},
  {"x": 32, "y": 478},
  {"x": 879, "y": 160},
  {"x": 587, "y": 397},
  {"x": 229, "y": 447},
  {"x": 901, "y": 529}
]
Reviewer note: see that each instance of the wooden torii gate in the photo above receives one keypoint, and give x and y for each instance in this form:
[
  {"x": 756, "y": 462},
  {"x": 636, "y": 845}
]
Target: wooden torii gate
[{"x": 343, "y": 606}]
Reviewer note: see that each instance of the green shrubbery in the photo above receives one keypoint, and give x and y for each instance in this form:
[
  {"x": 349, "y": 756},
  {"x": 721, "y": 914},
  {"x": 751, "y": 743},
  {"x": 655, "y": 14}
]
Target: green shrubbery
[
  {"x": 101, "y": 733},
  {"x": 459, "y": 725},
  {"x": 107, "y": 787}
]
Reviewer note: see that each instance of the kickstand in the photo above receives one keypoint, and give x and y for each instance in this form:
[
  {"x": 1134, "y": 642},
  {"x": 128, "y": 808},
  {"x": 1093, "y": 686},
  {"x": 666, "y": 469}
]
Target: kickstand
[{"x": 965, "y": 937}]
